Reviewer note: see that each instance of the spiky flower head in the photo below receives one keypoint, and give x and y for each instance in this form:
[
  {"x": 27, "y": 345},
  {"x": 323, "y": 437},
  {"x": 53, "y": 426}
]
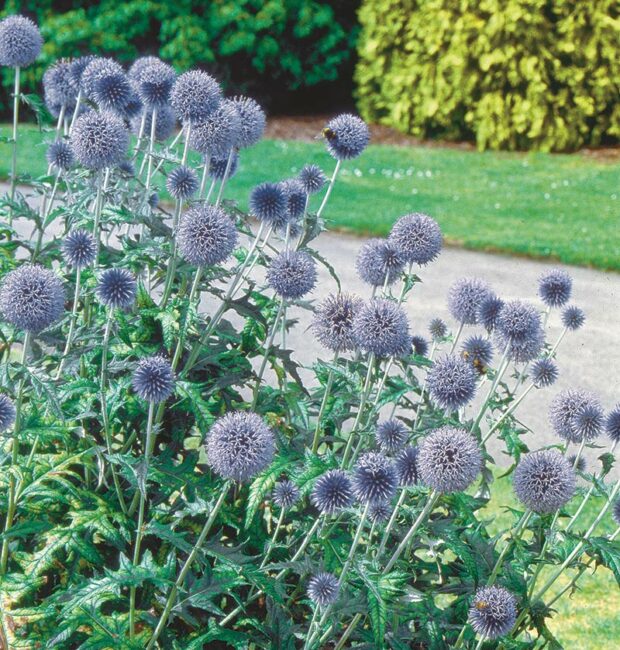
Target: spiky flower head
[
  {"x": 99, "y": 140},
  {"x": 544, "y": 481},
  {"x": 518, "y": 321},
  {"x": 333, "y": 321},
  {"x": 406, "y": 465},
  {"x": 127, "y": 167},
  {"x": 153, "y": 200},
  {"x": 380, "y": 327},
  {"x": 438, "y": 329},
  {"x": 451, "y": 382},
  {"x": 206, "y": 235},
  {"x": 96, "y": 68},
  {"x": 112, "y": 91},
  {"x": 182, "y": 183},
  {"x": 465, "y": 297},
  {"x": 7, "y": 412},
  {"x": 60, "y": 155},
  {"x": 346, "y": 136},
  {"x": 31, "y": 298},
  {"x": 79, "y": 248},
  {"x": 332, "y": 491},
  {"x": 554, "y": 287},
  {"x": 285, "y": 494},
  {"x": 419, "y": 345},
  {"x": 295, "y": 198},
  {"x": 380, "y": 511},
  {"x": 77, "y": 69},
  {"x": 219, "y": 167},
  {"x": 20, "y": 41},
  {"x": 292, "y": 274},
  {"x": 577, "y": 463},
  {"x": 153, "y": 379},
  {"x": 165, "y": 122},
  {"x": 523, "y": 350},
  {"x": 239, "y": 446},
  {"x": 616, "y": 511},
  {"x": 323, "y": 589},
  {"x": 477, "y": 350},
  {"x": 612, "y": 424},
  {"x": 493, "y": 612},
  {"x": 218, "y": 133},
  {"x": 575, "y": 415},
  {"x": 449, "y": 460},
  {"x": 417, "y": 238},
  {"x": 154, "y": 83},
  {"x": 391, "y": 435},
  {"x": 489, "y": 311},
  {"x": 139, "y": 66},
  {"x": 117, "y": 288},
  {"x": 59, "y": 87},
  {"x": 253, "y": 121},
  {"x": 268, "y": 202},
  {"x": 573, "y": 318},
  {"x": 379, "y": 263},
  {"x": 589, "y": 421},
  {"x": 544, "y": 372},
  {"x": 195, "y": 95},
  {"x": 312, "y": 178},
  {"x": 374, "y": 478}
]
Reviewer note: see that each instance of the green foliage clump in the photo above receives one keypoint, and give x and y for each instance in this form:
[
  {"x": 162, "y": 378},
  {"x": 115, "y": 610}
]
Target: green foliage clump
[{"x": 514, "y": 74}]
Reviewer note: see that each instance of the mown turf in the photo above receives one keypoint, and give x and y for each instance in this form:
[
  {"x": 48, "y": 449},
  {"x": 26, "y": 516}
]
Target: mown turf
[{"x": 565, "y": 207}]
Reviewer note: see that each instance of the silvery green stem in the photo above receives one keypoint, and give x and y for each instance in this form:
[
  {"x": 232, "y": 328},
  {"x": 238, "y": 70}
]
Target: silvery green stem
[
  {"x": 480, "y": 642},
  {"x": 205, "y": 175},
  {"x": 76, "y": 110},
  {"x": 72, "y": 320},
  {"x": 210, "y": 192},
  {"x": 98, "y": 210},
  {"x": 140, "y": 135},
  {"x": 557, "y": 343},
  {"x": 515, "y": 536},
  {"x": 422, "y": 392},
  {"x": 268, "y": 346},
  {"x": 328, "y": 388},
  {"x": 192, "y": 297},
  {"x": 506, "y": 413},
  {"x": 44, "y": 213},
  {"x": 149, "y": 166},
  {"x": 255, "y": 259},
  {"x": 457, "y": 337},
  {"x": 168, "y": 149},
  {"x": 501, "y": 369},
  {"x": 391, "y": 522},
  {"x": 330, "y": 186},
  {"x": 220, "y": 194},
  {"x": 16, "y": 99}
]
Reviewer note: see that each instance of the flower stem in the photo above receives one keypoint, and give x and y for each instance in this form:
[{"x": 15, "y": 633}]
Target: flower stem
[
  {"x": 73, "y": 318},
  {"x": 16, "y": 100},
  {"x": 328, "y": 388},
  {"x": 268, "y": 346},
  {"x": 506, "y": 413},
  {"x": 390, "y": 524},
  {"x": 363, "y": 400},
  {"x": 330, "y": 187},
  {"x": 98, "y": 210},
  {"x": 501, "y": 369}
]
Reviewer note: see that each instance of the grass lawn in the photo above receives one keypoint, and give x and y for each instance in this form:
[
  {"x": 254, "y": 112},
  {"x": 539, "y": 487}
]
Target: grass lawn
[{"x": 564, "y": 207}]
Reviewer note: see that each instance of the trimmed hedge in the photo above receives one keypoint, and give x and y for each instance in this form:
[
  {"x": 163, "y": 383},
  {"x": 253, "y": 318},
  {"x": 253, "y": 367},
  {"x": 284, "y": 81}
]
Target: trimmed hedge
[{"x": 511, "y": 74}]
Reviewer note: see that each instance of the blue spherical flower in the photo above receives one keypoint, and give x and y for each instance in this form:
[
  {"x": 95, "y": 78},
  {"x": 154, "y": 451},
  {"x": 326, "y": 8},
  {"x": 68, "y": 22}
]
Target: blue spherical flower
[
  {"x": 489, "y": 311},
  {"x": 206, "y": 235},
  {"x": 31, "y": 298},
  {"x": 477, "y": 350},
  {"x": 378, "y": 262},
  {"x": 616, "y": 511},
  {"x": 153, "y": 379},
  {"x": 323, "y": 589},
  {"x": 578, "y": 464},
  {"x": 573, "y": 318},
  {"x": 612, "y": 424},
  {"x": 379, "y": 512},
  {"x": 554, "y": 287},
  {"x": 438, "y": 329},
  {"x": 417, "y": 238},
  {"x": 127, "y": 168},
  {"x": 268, "y": 202},
  {"x": 77, "y": 69},
  {"x": 544, "y": 481},
  {"x": 292, "y": 274},
  {"x": 165, "y": 123},
  {"x": 195, "y": 95},
  {"x": 112, "y": 91},
  {"x": 182, "y": 183},
  {"x": 575, "y": 415},
  {"x": 346, "y": 136},
  {"x": 99, "y": 140},
  {"x": 218, "y": 166},
  {"x": 332, "y": 491},
  {"x": 406, "y": 464},
  {"x": 518, "y": 321},
  {"x": 374, "y": 478},
  {"x": 217, "y": 135},
  {"x": 239, "y": 446},
  {"x": 465, "y": 298},
  {"x": 58, "y": 85},
  {"x": 97, "y": 68},
  {"x": 589, "y": 421},
  {"x": 333, "y": 321},
  {"x": 7, "y": 412},
  {"x": 544, "y": 372},
  {"x": 391, "y": 435},
  {"x": 153, "y": 200},
  {"x": 524, "y": 350},
  {"x": 449, "y": 460},
  {"x": 451, "y": 382},
  {"x": 252, "y": 121},
  {"x": 380, "y": 327},
  {"x": 117, "y": 288},
  {"x": 295, "y": 198},
  {"x": 139, "y": 66},
  {"x": 312, "y": 178},
  {"x": 79, "y": 248},
  {"x": 60, "y": 155},
  {"x": 285, "y": 494},
  {"x": 20, "y": 41},
  {"x": 153, "y": 84},
  {"x": 419, "y": 345},
  {"x": 493, "y": 612}
]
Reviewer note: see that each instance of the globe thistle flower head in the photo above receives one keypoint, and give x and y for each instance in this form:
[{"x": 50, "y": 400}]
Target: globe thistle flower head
[
  {"x": 573, "y": 318},
  {"x": 449, "y": 460},
  {"x": 292, "y": 274},
  {"x": 182, "y": 183},
  {"x": 332, "y": 492},
  {"x": 252, "y": 121},
  {"x": 312, "y": 178},
  {"x": 374, "y": 478},
  {"x": 268, "y": 202},
  {"x": 379, "y": 512},
  {"x": 127, "y": 167},
  {"x": 195, "y": 95},
  {"x": 217, "y": 135},
  {"x": 379, "y": 263},
  {"x": 112, "y": 91},
  {"x": 285, "y": 494},
  {"x": 489, "y": 311},
  {"x": 60, "y": 155},
  {"x": 575, "y": 415},
  {"x": 544, "y": 372},
  {"x": 333, "y": 321},
  {"x": 451, "y": 382},
  {"x": 154, "y": 83},
  {"x": 20, "y": 42},
  {"x": 323, "y": 589},
  {"x": 438, "y": 329},
  {"x": 380, "y": 327},
  {"x": 206, "y": 235},
  {"x": 417, "y": 238},
  {"x": 79, "y": 248},
  {"x": 518, "y": 321},
  {"x": 139, "y": 66},
  {"x": 478, "y": 351},
  {"x": 554, "y": 287},
  {"x": 117, "y": 288},
  {"x": 153, "y": 379},
  {"x": 7, "y": 412},
  {"x": 31, "y": 298},
  {"x": 419, "y": 345},
  {"x": 465, "y": 297},
  {"x": 295, "y": 198},
  {"x": 218, "y": 166},
  {"x": 589, "y": 422},
  {"x": 544, "y": 481},
  {"x": 77, "y": 69},
  {"x": 153, "y": 200},
  {"x": 577, "y": 463},
  {"x": 524, "y": 350},
  {"x": 165, "y": 122},
  {"x": 346, "y": 136},
  {"x": 493, "y": 612},
  {"x": 616, "y": 511},
  {"x": 406, "y": 465},
  {"x": 391, "y": 435},
  {"x": 99, "y": 140},
  {"x": 97, "y": 68},
  {"x": 612, "y": 424},
  {"x": 58, "y": 85},
  {"x": 239, "y": 446}
]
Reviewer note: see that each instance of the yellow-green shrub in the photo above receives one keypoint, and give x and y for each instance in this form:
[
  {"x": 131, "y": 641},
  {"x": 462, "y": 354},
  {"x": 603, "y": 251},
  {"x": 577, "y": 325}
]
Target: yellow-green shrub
[{"x": 511, "y": 74}]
